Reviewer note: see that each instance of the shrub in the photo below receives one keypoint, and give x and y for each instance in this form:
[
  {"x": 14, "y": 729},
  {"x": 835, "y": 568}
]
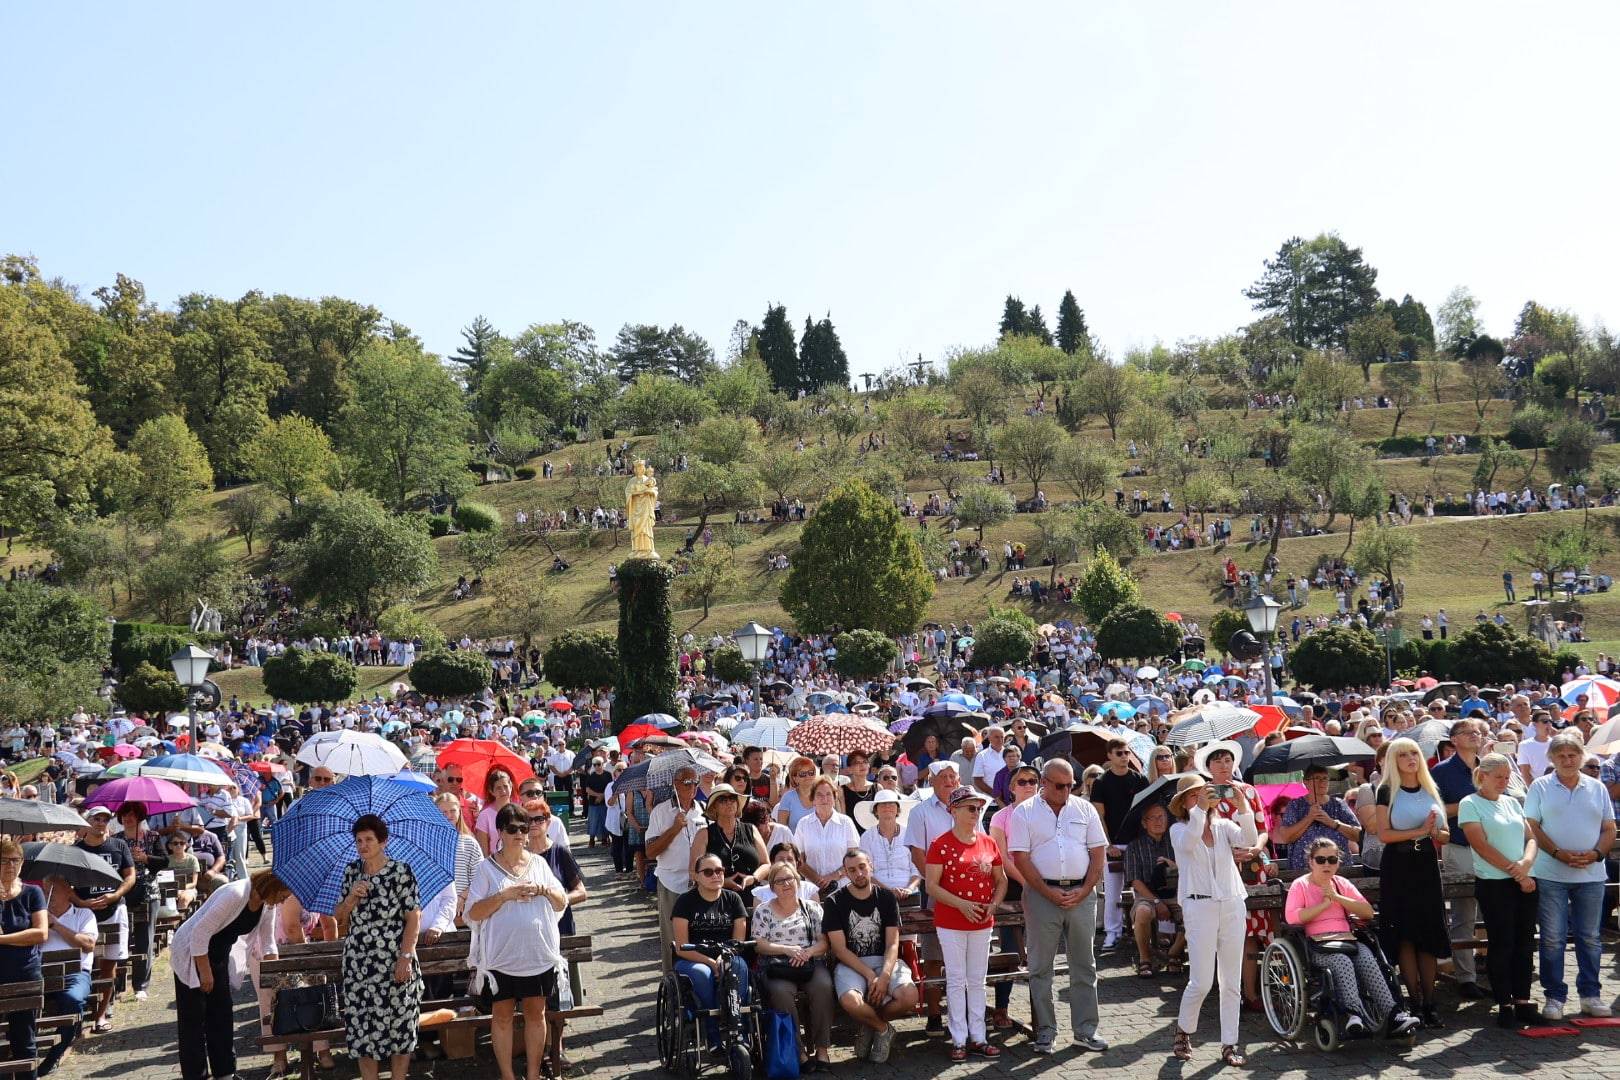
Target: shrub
[
  {"x": 1134, "y": 631},
  {"x": 582, "y": 660},
  {"x": 1401, "y": 446},
  {"x": 1565, "y": 660},
  {"x": 1337, "y": 657},
  {"x": 1104, "y": 586},
  {"x": 148, "y": 691},
  {"x": 525, "y": 472},
  {"x": 301, "y": 677},
  {"x": 999, "y": 641},
  {"x": 438, "y": 524},
  {"x": 864, "y": 654},
  {"x": 447, "y": 673},
  {"x": 1227, "y": 621},
  {"x": 728, "y": 664},
  {"x": 476, "y": 517},
  {"x": 401, "y": 623},
  {"x": 134, "y": 644},
  {"x": 648, "y": 675},
  {"x": 569, "y": 435},
  {"x": 1486, "y": 653}
]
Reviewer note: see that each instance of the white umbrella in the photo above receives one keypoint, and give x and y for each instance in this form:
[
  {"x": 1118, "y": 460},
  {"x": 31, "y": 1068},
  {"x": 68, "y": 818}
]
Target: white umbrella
[
  {"x": 1209, "y": 723},
  {"x": 1605, "y": 738},
  {"x": 353, "y": 753},
  {"x": 1147, "y": 672},
  {"x": 769, "y": 732}
]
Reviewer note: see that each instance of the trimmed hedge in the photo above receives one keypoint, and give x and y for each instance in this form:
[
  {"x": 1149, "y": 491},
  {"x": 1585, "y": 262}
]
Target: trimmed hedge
[
  {"x": 648, "y": 673},
  {"x": 301, "y": 677},
  {"x": 447, "y": 673},
  {"x": 476, "y": 517},
  {"x": 135, "y": 643},
  {"x": 438, "y": 524},
  {"x": 525, "y": 472}
]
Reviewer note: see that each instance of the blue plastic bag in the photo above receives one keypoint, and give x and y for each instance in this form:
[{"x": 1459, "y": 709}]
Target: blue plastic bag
[{"x": 781, "y": 1046}]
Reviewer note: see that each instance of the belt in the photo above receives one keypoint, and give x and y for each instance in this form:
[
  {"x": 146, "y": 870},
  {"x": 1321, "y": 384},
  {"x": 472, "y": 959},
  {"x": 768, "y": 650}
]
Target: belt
[
  {"x": 1062, "y": 883},
  {"x": 1197, "y": 896}
]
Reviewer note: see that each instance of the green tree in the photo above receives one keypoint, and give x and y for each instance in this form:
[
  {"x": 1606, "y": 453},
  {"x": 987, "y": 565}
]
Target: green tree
[
  {"x": 1103, "y": 528},
  {"x": 912, "y": 420},
  {"x": 778, "y": 349},
  {"x": 1572, "y": 547},
  {"x": 1131, "y": 630},
  {"x": 1014, "y": 318},
  {"x": 1032, "y": 443},
  {"x": 1229, "y": 452},
  {"x": 480, "y": 343},
  {"x": 179, "y": 571},
  {"x": 727, "y": 664},
  {"x": 1361, "y": 496},
  {"x": 172, "y": 469},
  {"x": 1485, "y": 653},
  {"x": 657, "y": 402},
  {"x": 248, "y": 511},
  {"x": 303, "y": 677},
  {"x": 982, "y": 395},
  {"x": 864, "y": 654},
  {"x": 126, "y": 360},
  {"x": 1559, "y": 373},
  {"x": 54, "y": 643},
  {"x": 148, "y": 691},
  {"x": 1072, "y": 335},
  {"x": 703, "y": 574},
  {"x": 1373, "y": 340},
  {"x": 1087, "y": 468},
  {"x": 480, "y": 550},
  {"x": 1203, "y": 492},
  {"x": 821, "y": 357},
  {"x": 782, "y": 472},
  {"x": 999, "y": 641},
  {"x": 446, "y": 673},
  {"x": 1106, "y": 391},
  {"x": 1400, "y": 382},
  {"x": 675, "y": 352},
  {"x": 707, "y": 488},
  {"x": 523, "y": 605},
  {"x": 1458, "y": 322},
  {"x": 1104, "y": 586},
  {"x": 355, "y": 556},
  {"x": 292, "y": 457},
  {"x": 1274, "y": 495},
  {"x": 1337, "y": 657},
  {"x": 984, "y": 505},
  {"x": 737, "y": 389},
  {"x": 1384, "y": 550},
  {"x": 225, "y": 374},
  {"x": 401, "y": 622},
  {"x": 582, "y": 660},
  {"x": 1570, "y": 446},
  {"x": 1324, "y": 384},
  {"x": 1484, "y": 379},
  {"x": 857, "y": 567},
  {"x": 406, "y": 427},
  {"x": 517, "y": 437},
  {"x": 1318, "y": 288}
]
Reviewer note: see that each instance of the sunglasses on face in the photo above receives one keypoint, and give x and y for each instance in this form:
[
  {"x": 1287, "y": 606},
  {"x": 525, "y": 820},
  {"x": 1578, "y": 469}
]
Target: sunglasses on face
[
  {"x": 531, "y": 793},
  {"x": 712, "y": 871},
  {"x": 1061, "y": 787},
  {"x": 453, "y": 779},
  {"x": 803, "y": 775},
  {"x": 1325, "y": 860},
  {"x": 515, "y": 829}
]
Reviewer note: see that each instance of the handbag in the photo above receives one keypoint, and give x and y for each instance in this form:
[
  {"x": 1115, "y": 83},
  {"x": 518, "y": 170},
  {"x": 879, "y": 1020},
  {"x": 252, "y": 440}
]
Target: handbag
[
  {"x": 781, "y": 1046},
  {"x": 302, "y": 1009},
  {"x": 798, "y": 974}
]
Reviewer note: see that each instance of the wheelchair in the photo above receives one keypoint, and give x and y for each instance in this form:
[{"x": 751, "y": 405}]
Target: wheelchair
[
  {"x": 683, "y": 1045},
  {"x": 1297, "y": 995}
]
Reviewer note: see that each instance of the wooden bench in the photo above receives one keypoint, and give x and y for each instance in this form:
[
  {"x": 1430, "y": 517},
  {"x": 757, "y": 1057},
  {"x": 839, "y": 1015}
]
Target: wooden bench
[
  {"x": 322, "y": 961},
  {"x": 917, "y": 925},
  {"x": 26, "y": 996}
]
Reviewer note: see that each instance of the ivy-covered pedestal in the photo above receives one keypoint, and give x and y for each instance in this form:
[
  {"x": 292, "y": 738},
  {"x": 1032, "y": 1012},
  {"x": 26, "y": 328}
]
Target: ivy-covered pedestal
[{"x": 648, "y": 673}]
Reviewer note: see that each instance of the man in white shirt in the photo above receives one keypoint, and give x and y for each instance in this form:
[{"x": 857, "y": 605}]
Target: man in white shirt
[
  {"x": 987, "y": 763},
  {"x": 1058, "y": 845},
  {"x": 1533, "y": 747},
  {"x": 670, "y": 829}
]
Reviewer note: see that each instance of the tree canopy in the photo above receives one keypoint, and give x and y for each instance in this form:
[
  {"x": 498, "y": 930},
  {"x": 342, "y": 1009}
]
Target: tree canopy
[{"x": 857, "y": 567}]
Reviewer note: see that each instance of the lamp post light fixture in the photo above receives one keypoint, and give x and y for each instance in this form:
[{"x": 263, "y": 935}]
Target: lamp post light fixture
[
  {"x": 754, "y": 642},
  {"x": 190, "y": 666},
  {"x": 1262, "y": 614}
]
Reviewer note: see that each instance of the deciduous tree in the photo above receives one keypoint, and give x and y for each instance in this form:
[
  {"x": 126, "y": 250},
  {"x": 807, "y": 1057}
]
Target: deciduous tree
[
  {"x": 292, "y": 457},
  {"x": 857, "y": 567}
]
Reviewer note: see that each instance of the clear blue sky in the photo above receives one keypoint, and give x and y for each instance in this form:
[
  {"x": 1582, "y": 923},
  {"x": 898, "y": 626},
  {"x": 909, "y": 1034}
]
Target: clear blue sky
[{"x": 901, "y": 165}]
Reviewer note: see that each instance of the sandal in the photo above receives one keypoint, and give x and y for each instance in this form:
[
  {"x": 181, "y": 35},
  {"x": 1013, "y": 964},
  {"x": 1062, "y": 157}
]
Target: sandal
[
  {"x": 1233, "y": 1057},
  {"x": 958, "y": 1053},
  {"x": 984, "y": 1049},
  {"x": 1183, "y": 1046},
  {"x": 1175, "y": 965},
  {"x": 1001, "y": 1021},
  {"x": 1144, "y": 970}
]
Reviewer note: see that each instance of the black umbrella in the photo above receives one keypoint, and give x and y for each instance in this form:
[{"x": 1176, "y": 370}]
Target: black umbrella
[
  {"x": 1297, "y": 755},
  {"x": 947, "y": 708},
  {"x": 1083, "y": 745},
  {"x": 81, "y": 869},
  {"x": 950, "y": 730},
  {"x": 1157, "y": 793},
  {"x": 1441, "y": 690},
  {"x": 24, "y": 816}
]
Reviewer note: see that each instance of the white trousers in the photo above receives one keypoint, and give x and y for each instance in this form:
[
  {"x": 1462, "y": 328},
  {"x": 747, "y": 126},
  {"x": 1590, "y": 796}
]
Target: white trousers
[
  {"x": 967, "y": 959},
  {"x": 1113, "y": 914},
  {"x": 1214, "y": 945}
]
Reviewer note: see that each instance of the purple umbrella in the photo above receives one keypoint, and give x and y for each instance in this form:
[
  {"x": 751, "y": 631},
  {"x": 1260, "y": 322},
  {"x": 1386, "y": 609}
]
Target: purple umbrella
[
  {"x": 899, "y": 726},
  {"x": 158, "y": 796}
]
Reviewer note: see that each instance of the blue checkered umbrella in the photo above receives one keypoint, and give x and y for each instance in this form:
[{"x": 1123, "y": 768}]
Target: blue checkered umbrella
[{"x": 314, "y": 845}]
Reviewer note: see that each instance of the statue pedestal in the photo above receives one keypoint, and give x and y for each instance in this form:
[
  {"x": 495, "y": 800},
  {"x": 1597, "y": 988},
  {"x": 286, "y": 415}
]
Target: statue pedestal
[{"x": 648, "y": 672}]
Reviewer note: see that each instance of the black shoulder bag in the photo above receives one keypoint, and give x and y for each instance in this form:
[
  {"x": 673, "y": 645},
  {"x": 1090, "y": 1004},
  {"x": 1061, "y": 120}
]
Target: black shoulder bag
[{"x": 302, "y": 1009}]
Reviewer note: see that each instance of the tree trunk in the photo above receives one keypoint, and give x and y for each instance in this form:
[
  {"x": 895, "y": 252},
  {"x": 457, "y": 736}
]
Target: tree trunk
[{"x": 1351, "y": 538}]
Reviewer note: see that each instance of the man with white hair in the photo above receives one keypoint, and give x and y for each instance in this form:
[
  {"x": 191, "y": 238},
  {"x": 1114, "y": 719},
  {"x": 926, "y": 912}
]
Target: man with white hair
[
  {"x": 670, "y": 829},
  {"x": 989, "y": 762}
]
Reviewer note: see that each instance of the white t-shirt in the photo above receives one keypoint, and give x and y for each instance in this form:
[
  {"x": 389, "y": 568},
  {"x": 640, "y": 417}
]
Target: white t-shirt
[
  {"x": 521, "y": 937},
  {"x": 78, "y": 920},
  {"x": 1533, "y": 753}
]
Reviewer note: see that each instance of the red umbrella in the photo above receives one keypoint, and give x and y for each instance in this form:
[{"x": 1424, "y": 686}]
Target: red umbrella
[
  {"x": 1272, "y": 718},
  {"x": 1173, "y": 616},
  {"x": 634, "y": 732},
  {"x": 477, "y": 756},
  {"x": 560, "y": 705}
]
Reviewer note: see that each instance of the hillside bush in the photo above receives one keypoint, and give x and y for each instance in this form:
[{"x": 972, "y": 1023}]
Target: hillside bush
[
  {"x": 450, "y": 673},
  {"x": 150, "y": 691},
  {"x": 301, "y": 677},
  {"x": 1132, "y": 631},
  {"x": 476, "y": 517},
  {"x": 1337, "y": 657},
  {"x": 438, "y": 524},
  {"x": 525, "y": 472},
  {"x": 999, "y": 641},
  {"x": 864, "y": 654},
  {"x": 727, "y": 664},
  {"x": 582, "y": 660}
]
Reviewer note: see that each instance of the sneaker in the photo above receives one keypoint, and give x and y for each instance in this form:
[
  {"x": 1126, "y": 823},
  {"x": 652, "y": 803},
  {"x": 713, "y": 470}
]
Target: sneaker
[
  {"x": 1041, "y": 1047},
  {"x": 863, "y": 1041},
  {"x": 1595, "y": 1007},
  {"x": 1110, "y": 942},
  {"x": 1552, "y": 1010},
  {"x": 140, "y": 995},
  {"x": 1353, "y": 1025},
  {"x": 881, "y": 1043},
  {"x": 935, "y": 1025},
  {"x": 1403, "y": 1024},
  {"x": 1095, "y": 1043}
]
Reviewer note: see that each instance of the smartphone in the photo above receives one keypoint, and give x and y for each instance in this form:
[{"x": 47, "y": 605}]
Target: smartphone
[{"x": 1223, "y": 791}]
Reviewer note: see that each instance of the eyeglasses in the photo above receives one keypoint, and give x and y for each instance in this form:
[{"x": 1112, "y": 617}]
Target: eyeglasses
[
  {"x": 530, "y": 793},
  {"x": 783, "y": 881},
  {"x": 1028, "y": 781},
  {"x": 11, "y": 862},
  {"x": 714, "y": 871},
  {"x": 454, "y": 779},
  {"x": 803, "y": 775},
  {"x": 1119, "y": 753},
  {"x": 686, "y": 783},
  {"x": 1061, "y": 787},
  {"x": 515, "y": 829},
  {"x": 1325, "y": 860}
]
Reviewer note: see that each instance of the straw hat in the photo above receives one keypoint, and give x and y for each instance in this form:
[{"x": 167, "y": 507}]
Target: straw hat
[
  {"x": 866, "y": 809},
  {"x": 721, "y": 791},
  {"x": 1178, "y": 801}
]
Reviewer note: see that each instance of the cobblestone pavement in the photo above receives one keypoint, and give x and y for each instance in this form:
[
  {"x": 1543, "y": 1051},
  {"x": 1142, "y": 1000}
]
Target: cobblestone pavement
[{"x": 1137, "y": 1020}]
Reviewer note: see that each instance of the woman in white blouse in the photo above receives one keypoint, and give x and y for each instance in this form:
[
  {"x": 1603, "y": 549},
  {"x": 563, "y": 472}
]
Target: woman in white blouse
[
  {"x": 884, "y": 819},
  {"x": 790, "y": 938},
  {"x": 823, "y": 835},
  {"x": 1213, "y": 909}
]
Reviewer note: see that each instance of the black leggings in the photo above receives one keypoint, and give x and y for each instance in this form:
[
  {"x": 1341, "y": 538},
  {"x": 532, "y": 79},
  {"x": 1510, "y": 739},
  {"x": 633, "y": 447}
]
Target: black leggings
[
  {"x": 1510, "y": 926},
  {"x": 256, "y": 835},
  {"x": 206, "y": 1028}
]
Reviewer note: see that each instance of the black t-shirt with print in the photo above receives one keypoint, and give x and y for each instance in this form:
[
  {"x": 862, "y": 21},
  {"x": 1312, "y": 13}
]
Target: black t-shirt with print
[
  {"x": 862, "y": 922},
  {"x": 708, "y": 922}
]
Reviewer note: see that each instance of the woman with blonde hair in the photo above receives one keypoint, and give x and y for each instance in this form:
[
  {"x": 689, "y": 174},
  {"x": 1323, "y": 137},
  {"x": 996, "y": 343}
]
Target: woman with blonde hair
[
  {"x": 797, "y": 799},
  {"x": 1410, "y": 817},
  {"x": 469, "y": 853}
]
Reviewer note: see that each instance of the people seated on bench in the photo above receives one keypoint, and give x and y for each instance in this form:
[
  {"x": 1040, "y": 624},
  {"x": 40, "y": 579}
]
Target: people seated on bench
[
  {"x": 69, "y": 927},
  {"x": 1323, "y": 903},
  {"x": 514, "y": 905},
  {"x": 781, "y": 853},
  {"x": 22, "y": 931},
  {"x": 792, "y": 945},
  {"x": 1148, "y": 861},
  {"x": 708, "y": 914},
  {"x": 862, "y": 924},
  {"x": 201, "y": 954},
  {"x": 438, "y": 919}
]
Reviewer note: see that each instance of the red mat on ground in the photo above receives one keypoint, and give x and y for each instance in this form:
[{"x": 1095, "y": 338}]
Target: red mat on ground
[
  {"x": 1547, "y": 1032},
  {"x": 1596, "y": 1021}
]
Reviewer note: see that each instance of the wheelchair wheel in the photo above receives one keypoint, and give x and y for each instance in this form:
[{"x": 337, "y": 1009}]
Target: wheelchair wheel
[
  {"x": 1326, "y": 1034},
  {"x": 687, "y": 1053},
  {"x": 1285, "y": 988},
  {"x": 742, "y": 1062},
  {"x": 669, "y": 1019}
]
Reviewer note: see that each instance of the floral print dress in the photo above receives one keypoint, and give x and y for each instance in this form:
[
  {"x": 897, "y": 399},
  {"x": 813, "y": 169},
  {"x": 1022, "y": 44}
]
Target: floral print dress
[{"x": 380, "y": 1015}]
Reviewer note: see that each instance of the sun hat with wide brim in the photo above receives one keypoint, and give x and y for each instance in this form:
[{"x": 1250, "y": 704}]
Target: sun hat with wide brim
[
  {"x": 721, "y": 791},
  {"x": 1201, "y": 757},
  {"x": 1184, "y": 786},
  {"x": 866, "y": 810}
]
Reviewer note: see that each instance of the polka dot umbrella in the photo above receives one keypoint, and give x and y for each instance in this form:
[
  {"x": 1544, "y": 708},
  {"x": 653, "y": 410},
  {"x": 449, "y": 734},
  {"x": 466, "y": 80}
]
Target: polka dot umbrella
[{"x": 839, "y": 734}]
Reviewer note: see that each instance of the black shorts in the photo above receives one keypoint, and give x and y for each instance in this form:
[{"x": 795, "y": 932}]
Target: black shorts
[{"x": 518, "y": 987}]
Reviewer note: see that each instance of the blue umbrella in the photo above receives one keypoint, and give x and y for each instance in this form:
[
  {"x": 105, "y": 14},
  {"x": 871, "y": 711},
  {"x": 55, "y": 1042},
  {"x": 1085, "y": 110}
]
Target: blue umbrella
[
  {"x": 1150, "y": 703},
  {"x": 1287, "y": 704},
  {"x": 1120, "y": 710},
  {"x": 946, "y": 708},
  {"x": 415, "y": 781},
  {"x": 319, "y": 847},
  {"x": 834, "y": 707},
  {"x": 393, "y": 726},
  {"x": 972, "y": 703}
]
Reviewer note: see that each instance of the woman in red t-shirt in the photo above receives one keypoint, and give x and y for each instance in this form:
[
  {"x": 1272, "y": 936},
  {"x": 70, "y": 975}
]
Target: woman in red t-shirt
[{"x": 966, "y": 881}]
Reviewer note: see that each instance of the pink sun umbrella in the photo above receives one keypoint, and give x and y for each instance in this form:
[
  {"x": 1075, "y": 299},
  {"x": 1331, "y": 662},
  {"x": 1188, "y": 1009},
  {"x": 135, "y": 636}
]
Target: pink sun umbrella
[{"x": 158, "y": 796}]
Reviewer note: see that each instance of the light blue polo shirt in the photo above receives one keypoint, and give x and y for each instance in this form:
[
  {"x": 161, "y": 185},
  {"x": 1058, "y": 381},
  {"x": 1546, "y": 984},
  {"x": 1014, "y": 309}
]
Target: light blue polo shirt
[{"x": 1573, "y": 820}]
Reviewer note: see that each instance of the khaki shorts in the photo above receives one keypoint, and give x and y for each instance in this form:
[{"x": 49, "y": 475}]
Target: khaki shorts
[{"x": 846, "y": 978}]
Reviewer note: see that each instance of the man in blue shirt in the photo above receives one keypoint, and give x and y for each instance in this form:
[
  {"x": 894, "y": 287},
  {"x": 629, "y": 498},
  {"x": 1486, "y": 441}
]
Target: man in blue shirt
[
  {"x": 1572, "y": 819},
  {"x": 1454, "y": 777},
  {"x": 1473, "y": 701}
]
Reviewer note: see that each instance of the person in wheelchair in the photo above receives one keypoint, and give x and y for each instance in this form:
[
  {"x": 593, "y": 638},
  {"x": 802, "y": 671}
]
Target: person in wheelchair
[
  {"x": 709, "y": 914},
  {"x": 1323, "y": 904}
]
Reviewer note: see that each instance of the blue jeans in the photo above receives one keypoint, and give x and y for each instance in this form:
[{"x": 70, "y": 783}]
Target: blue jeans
[
  {"x": 1568, "y": 910},
  {"x": 705, "y": 986},
  {"x": 67, "y": 1001}
]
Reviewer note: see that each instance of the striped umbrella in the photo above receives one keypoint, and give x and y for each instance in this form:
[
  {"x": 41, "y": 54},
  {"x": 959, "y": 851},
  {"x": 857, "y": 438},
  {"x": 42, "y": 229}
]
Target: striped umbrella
[
  {"x": 314, "y": 844},
  {"x": 1600, "y": 693},
  {"x": 1210, "y": 723},
  {"x": 187, "y": 769},
  {"x": 769, "y": 732},
  {"x": 839, "y": 735}
]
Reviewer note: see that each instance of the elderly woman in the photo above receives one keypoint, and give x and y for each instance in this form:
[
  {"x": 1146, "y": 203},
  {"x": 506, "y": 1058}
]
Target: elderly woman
[
  {"x": 514, "y": 904},
  {"x": 966, "y": 881},
  {"x": 823, "y": 835},
  {"x": 796, "y": 797},
  {"x": 772, "y": 833},
  {"x": 382, "y": 989},
  {"x": 1208, "y": 848},
  {"x": 790, "y": 938},
  {"x": 1411, "y": 820},
  {"x": 201, "y": 953},
  {"x": 737, "y": 842},
  {"x": 23, "y": 929},
  {"x": 1504, "y": 852},
  {"x": 1323, "y": 904},
  {"x": 883, "y": 819},
  {"x": 1315, "y": 815}
]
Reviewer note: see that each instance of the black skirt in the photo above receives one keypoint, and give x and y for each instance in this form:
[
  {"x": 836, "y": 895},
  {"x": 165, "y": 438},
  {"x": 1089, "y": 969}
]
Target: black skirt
[
  {"x": 518, "y": 987},
  {"x": 1411, "y": 910}
]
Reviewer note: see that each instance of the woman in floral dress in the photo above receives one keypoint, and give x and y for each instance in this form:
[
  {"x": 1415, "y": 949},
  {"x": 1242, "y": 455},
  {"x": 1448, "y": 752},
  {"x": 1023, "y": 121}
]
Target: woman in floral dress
[{"x": 382, "y": 987}]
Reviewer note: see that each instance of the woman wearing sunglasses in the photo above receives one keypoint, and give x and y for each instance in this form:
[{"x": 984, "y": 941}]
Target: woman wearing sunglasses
[
  {"x": 1323, "y": 903},
  {"x": 514, "y": 906}
]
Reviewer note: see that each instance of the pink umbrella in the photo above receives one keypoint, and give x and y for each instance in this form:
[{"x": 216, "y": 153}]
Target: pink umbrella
[
  {"x": 158, "y": 796},
  {"x": 121, "y": 751}
]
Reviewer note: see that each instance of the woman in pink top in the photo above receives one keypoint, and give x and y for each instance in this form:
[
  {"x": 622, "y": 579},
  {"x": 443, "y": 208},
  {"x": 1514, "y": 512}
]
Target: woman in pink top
[{"x": 1323, "y": 904}]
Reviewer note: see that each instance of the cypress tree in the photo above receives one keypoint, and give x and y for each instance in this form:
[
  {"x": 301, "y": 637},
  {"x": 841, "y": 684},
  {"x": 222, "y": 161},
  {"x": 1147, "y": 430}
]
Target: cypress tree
[
  {"x": 1014, "y": 319},
  {"x": 778, "y": 349},
  {"x": 827, "y": 365},
  {"x": 1035, "y": 325},
  {"x": 1071, "y": 324}
]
